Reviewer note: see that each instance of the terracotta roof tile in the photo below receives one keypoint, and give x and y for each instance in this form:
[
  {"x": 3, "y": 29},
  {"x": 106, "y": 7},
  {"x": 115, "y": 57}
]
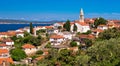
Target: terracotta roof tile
[
  {"x": 2, "y": 45},
  {"x": 49, "y": 27},
  {"x": 10, "y": 60},
  {"x": 7, "y": 40},
  {"x": 83, "y": 23},
  {"x": 90, "y": 36},
  {"x": 102, "y": 25},
  {"x": 71, "y": 23},
  {"x": 2, "y": 51},
  {"x": 97, "y": 30},
  {"x": 28, "y": 46},
  {"x": 56, "y": 36}
]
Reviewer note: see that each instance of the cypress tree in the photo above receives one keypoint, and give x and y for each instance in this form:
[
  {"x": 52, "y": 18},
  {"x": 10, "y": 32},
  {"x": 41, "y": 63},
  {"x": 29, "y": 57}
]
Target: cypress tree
[
  {"x": 31, "y": 28},
  {"x": 74, "y": 27}
]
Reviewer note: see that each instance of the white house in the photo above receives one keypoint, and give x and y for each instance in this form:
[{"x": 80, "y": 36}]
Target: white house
[
  {"x": 8, "y": 42},
  {"x": 3, "y": 46},
  {"x": 3, "y": 34},
  {"x": 29, "y": 49},
  {"x": 56, "y": 39},
  {"x": 21, "y": 34},
  {"x": 66, "y": 35},
  {"x": 82, "y": 27},
  {"x": 4, "y": 53},
  {"x": 102, "y": 27},
  {"x": 40, "y": 27},
  {"x": 27, "y": 29}
]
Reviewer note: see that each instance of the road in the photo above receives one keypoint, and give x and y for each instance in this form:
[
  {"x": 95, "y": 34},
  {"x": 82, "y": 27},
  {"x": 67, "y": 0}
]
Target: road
[{"x": 42, "y": 46}]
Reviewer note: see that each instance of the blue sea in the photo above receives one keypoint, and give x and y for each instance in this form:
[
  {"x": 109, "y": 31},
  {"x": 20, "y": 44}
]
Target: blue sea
[{"x": 7, "y": 27}]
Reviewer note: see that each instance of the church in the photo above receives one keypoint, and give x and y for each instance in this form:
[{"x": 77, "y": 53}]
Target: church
[{"x": 82, "y": 26}]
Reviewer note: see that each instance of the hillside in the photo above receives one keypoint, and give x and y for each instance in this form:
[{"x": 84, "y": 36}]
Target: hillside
[{"x": 11, "y": 21}]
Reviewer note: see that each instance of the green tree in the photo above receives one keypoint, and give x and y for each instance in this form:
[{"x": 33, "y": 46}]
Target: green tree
[
  {"x": 13, "y": 38},
  {"x": 82, "y": 60},
  {"x": 41, "y": 31},
  {"x": 31, "y": 28},
  {"x": 67, "y": 25},
  {"x": 73, "y": 44},
  {"x": 105, "y": 53},
  {"x": 88, "y": 42},
  {"x": 74, "y": 28},
  {"x": 110, "y": 33},
  {"x": 48, "y": 45},
  {"x": 99, "y": 21},
  {"x": 39, "y": 52},
  {"x": 26, "y": 34},
  {"x": 17, "y": 54},
  {"x": 88, "y": 32}
]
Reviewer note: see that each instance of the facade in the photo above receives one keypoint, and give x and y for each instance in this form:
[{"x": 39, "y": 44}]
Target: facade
[
  {"x": 29, "y": 49},
  {"x": 102, "y": 27},
  {"x": 8, "y": 42},
  {"x": 3, "y": 46},
  {"x": 4, "y": 53},
  {"x": 6, "y": 61},
  {"x": 56, "y": 39},
  {"x": 82, "y": 27},
  {"x": 66, "y": 35},
  {"x": 3, "y": 34},
  {"x": 20, "y": 34}
]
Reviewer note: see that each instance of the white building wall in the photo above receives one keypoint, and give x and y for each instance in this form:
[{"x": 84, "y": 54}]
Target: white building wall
[
  {"x": 81, "y": 28},
  {"x": 30, "y": 50},
  {"x": 102, "y": 27},
  {"x": 9, "y": 43},
  {"x": 57, "y": 41},
  {"x": 22, "y": 35},
  {"x": 71, "y": 28}
]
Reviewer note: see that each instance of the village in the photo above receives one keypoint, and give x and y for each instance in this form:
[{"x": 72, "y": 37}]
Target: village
[{"x": 61, "y": 35}]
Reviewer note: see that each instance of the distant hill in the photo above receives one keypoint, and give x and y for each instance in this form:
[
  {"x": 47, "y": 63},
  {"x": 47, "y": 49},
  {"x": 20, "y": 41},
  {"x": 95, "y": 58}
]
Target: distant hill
[{"x": 11, "y": 21}]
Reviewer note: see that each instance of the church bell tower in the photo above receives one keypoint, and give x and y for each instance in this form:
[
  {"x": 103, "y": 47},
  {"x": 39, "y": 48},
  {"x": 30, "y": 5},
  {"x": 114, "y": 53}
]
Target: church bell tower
[{"x": 81, "y": 17}]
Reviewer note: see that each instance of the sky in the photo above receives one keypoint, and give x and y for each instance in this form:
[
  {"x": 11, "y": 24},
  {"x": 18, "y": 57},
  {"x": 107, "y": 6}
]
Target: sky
[{"x": 46, "y": 10}]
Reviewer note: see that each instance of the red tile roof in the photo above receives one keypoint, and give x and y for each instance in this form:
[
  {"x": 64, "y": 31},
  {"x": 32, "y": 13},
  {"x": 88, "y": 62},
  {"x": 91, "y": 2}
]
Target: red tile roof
[
  {"x": 2, "y": 45},
  {"x": 10, "y": 60},
  {"x": 56, "y": 36},
  {"x": 2, "y": 51},
  {"x": 3, "y": 33},
  {"x": 49, "y": 27},
  {"x": 97, "y": 30},
  {"x": 102, "y": 25},
  {"x": 71, "y": 23},
  {"x": 7, "y": 40},
  {"x": 28, "y": 46},
  {"x": 83, "y": 23},
  {"x": 90, "y": 36},
  {"x": 19, "y": 32}
]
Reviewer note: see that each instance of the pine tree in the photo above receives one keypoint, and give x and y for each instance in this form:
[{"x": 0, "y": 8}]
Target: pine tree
[{"x": 67, "y": 25}]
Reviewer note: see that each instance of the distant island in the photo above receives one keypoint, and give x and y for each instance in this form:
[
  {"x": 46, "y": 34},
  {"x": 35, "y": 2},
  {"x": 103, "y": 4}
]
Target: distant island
[{"x": 11, "y": 21}]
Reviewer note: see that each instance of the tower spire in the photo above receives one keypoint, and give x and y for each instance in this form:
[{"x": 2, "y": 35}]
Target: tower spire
[{"x": 81, "y": 18}]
